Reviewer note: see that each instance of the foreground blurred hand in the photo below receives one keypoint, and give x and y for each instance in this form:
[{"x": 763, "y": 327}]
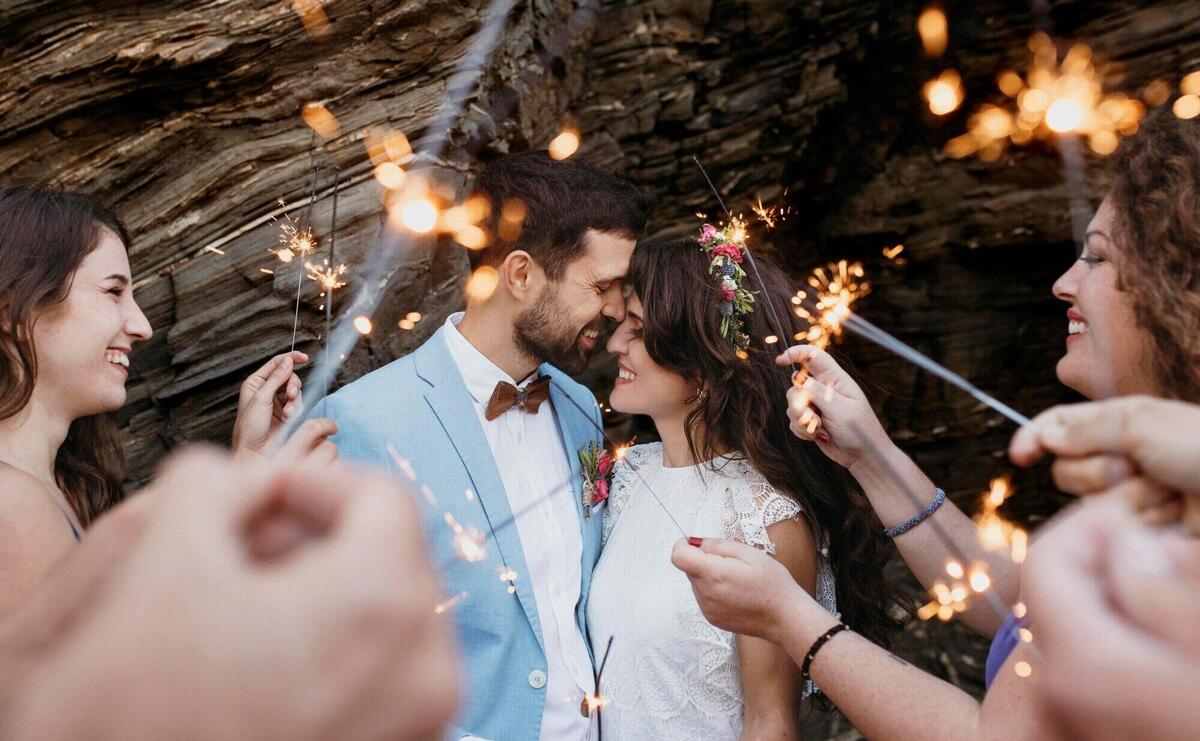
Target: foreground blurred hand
[
  {"x": 1099, "y": 444},
  {"x": 1116, "y": 607},
  {"x": 236, "y": 601}
]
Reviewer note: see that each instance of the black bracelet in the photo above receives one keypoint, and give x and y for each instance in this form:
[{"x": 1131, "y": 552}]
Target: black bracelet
[
  {"x": 817, "y": 644},
  {"x": 939, "y": 497}
]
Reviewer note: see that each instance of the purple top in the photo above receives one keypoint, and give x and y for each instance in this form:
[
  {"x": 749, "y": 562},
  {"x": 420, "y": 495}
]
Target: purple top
[{"x": 1003, "y": 644}]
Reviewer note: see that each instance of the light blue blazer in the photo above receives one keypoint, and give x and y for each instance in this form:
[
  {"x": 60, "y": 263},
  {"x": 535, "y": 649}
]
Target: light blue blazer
[{"x": 420, "y": 405}]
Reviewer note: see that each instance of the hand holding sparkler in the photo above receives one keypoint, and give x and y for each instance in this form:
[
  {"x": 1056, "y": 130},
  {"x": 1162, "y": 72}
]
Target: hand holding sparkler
[
  {"x": 825, "y": 405},
  {"x": 1101, "y": 444},
  {"x": 269, "y": 397},
  {"x": 743, "y": 590}
]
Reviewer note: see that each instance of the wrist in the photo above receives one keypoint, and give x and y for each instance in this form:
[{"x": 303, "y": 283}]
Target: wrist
[{"x": 802, "y": 622}]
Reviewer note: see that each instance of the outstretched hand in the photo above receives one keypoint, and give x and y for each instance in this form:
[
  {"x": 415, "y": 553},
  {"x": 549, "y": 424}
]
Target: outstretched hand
[
  {"x": 745, "y": 591},
  {"x": 825, "y": 405},
  {"x": 1101, "y": 444}
]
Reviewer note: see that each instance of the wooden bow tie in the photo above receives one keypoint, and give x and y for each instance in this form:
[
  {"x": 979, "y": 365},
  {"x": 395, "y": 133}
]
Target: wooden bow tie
[{"x": 529, "y": 397}]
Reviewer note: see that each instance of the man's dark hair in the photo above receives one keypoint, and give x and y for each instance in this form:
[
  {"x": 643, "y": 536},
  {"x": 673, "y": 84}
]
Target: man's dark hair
[{"x": 550, "y": 205}]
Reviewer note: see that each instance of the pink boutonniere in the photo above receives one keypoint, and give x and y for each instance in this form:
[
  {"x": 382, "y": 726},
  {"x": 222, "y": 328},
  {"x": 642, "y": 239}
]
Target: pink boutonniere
[{"x": 595, "y": 465}]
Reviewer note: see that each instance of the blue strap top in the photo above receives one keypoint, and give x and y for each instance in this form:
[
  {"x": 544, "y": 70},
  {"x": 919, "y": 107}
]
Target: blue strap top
[{"x": 1003, "y": 644}]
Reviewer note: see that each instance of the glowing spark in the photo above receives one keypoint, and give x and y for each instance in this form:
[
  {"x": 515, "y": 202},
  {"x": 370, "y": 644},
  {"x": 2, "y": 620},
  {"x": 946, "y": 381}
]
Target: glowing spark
[
  {"x": 944, "y": 93},
  {"x": 1020, "y": 545},
  {"x": 409, "y": 322},
  {"x": 771, "y": 215},
  {"x": 954, "y": 569},
  {"x": 362, "y": 324},
  {"x": 295, "y": 241},
  {"x": 214, "y": 250},
  {"x": 564, "y": 145},
  {"x": 770, "y": 339},
  {"x": 512, "y": 219},
  {"x": 468, "y": 542},
  {"x": 471, "y": 237},
  {"x": 419, "y": 215},
  {"x": 1186, "y": 106},
  {"x": 510, "y": 577},
  {"x": 1026, "y": 635},
  {"x": 1054, "y": 98},
  {"x": 594, "y": 703},
  {"x": 1023, "y": 669},
  {"x": 319, "y": 119},
  {"x": 470, "y": 495},
  {"x": 979, "y": 579},
  {"x": 892, "y": 253},
  {"x": 401, "y": 462},
  {"x": 389, "y": 175},
  {"x": 312, "y": 15},
  {"x": 932, "y": 26},
  {"x": 838, "y": 286},
  {"x": 328, "y": 277},
  {"x": 482, "y": 284},
  {"x": 428, "y": 494},
  {"x": 1019, "y": 610},
  {"x": 450, "y": 603},
  {"x": 267, "y": 271},
  {"x": 1064, "y": 115}
]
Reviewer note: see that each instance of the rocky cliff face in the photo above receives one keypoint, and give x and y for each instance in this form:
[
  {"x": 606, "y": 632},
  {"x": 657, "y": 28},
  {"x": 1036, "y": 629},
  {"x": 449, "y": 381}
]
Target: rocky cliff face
[{"x": 185, "y": 116}]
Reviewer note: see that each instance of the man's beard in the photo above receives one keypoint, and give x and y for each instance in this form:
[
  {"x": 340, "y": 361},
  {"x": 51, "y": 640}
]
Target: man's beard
[{"x": 542, "y": 335}]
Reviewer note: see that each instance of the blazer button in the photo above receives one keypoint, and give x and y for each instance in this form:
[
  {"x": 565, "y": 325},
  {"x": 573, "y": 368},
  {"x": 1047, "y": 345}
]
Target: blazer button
[{"x": 537, "y": 679}]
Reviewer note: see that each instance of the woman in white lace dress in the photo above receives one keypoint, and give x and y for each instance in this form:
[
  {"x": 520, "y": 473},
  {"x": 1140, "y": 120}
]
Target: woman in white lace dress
[{"x": 692, "y": 357}]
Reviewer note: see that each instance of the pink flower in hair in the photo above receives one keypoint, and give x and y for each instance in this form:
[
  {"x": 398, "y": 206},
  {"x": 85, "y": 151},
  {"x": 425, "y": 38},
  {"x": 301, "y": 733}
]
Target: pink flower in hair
[
  {"x": 707, "y": 233},
  {"x": 728, "y": 293},
  {"x": 732, "y": 251}
]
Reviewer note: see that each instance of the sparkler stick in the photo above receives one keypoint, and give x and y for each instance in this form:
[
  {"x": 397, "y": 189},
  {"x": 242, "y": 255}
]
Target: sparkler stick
[
  {"x": 872, "y": 333},
  {"x": 337, "y": 181},
  {"x": 306, "y": 237}
]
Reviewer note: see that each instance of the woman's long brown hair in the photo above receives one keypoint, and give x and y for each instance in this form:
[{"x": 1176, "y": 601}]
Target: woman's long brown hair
[
  {"x": 745, "y": 411},
  {"x": 44, "y": 236}
]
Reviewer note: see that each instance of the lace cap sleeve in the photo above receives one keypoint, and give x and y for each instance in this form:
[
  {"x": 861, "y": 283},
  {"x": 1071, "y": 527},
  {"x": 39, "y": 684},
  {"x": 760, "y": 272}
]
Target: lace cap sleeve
[
  {"x": 624, "y": 483},
  {"x": 752, "y": 505}
]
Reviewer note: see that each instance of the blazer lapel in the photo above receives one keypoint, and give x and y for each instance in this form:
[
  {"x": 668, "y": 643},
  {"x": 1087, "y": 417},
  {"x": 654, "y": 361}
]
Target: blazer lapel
[{"x": 452, "y": 404}]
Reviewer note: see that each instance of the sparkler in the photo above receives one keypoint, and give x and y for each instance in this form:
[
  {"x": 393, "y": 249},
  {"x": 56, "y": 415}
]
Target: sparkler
[
  {"x": 1054, "y": 98},
  {"x": 565, "y": 144}
]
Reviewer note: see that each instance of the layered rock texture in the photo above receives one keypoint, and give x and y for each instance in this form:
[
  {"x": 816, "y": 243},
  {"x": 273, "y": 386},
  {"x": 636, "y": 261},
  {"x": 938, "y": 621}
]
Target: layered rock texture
[{"x": 185, "y": 116}]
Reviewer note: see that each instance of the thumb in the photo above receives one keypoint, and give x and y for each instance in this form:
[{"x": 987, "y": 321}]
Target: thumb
[{"x": 819, "y": 363}]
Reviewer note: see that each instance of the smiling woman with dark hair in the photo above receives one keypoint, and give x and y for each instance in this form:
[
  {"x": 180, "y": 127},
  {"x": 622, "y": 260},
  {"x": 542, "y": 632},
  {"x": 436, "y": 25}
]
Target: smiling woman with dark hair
[
  {"x": 68, "y": 322},
  {"x": 693, "y": 356}
]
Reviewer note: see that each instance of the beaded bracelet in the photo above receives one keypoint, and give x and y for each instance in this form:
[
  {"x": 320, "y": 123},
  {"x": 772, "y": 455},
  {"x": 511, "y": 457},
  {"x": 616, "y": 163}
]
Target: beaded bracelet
[
  {"x": 817, "y": 644},
  {"x": 938, "y": 498}
]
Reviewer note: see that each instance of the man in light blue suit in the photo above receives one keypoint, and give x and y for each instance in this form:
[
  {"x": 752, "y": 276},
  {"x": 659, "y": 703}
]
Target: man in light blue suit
[{"x": 486, "y": 420}]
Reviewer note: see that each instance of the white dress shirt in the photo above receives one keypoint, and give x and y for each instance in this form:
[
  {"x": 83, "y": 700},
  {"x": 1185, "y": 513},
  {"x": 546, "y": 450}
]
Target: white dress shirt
[{"x": 530, "y": 455}]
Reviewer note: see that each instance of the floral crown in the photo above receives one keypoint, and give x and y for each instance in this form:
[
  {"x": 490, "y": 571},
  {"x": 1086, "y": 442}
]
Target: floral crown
[{"x": 726, "y": 249}]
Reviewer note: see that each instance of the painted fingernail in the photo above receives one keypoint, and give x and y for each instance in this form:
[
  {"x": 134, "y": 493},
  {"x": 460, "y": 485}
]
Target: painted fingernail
[
  {"x": 693, "y": 540},
  {"x": 823, "y": 437}
]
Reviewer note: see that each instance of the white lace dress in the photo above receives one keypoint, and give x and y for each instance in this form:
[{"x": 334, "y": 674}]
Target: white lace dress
[{"x": 670, "y": 674}]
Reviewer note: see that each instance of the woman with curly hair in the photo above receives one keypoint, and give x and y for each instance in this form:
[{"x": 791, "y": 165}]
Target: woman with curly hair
[
  {"x": 1133, "y": 327},
  {"x": 693, "y": 356}
]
